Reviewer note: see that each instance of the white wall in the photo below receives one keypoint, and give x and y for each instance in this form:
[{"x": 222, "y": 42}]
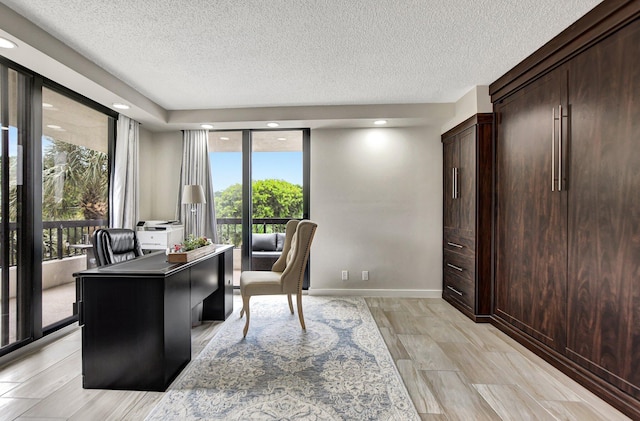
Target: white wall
[
  {"x": 477, "y": 100},
  {"x": 376, "y": 195},
  {"x": 160, "y": 160}
]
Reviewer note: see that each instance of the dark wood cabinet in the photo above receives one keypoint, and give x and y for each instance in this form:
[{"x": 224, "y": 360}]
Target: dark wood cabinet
[
  {"x": 604, "y": 210},
  {"x": 567, "y": 207},
  {"x": 531, "y": 219},
  {"x": 467, "y": 164}
]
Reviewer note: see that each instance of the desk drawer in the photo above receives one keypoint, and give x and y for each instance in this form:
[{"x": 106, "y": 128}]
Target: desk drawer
[
  {"x": 460, "y": 289},
  {"x": 459, "y": 264}
]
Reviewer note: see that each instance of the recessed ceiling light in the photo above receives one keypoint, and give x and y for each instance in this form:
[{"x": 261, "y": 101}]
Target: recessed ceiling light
[
  {"x": 282, "y": 138},
  {"x": 206, "y": 126},
  {"x": 380, "y": 122},
  {"x": 120, "y": 106},
  {"x": 5, "y": 43},
  {"x": 56, "y": 128},
  {"x": 272, "y": 124},
  {"x": 46, "y": 105},
  {"x": 224, "y": 138}
]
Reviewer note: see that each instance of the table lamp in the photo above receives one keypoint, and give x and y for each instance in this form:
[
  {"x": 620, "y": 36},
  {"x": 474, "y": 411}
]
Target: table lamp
[{"x": 193, "y": 194}]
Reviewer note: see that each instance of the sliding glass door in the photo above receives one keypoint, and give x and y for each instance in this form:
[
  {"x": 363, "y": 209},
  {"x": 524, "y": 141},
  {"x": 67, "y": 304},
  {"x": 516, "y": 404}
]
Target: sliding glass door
[
  {"x": 277, "y": 193},
  {"x": 75, "y": 196},
  {"x": 225, "y": 154},
  {"x": 261, "y": 180},
  {"x": 54, "y": 172},
  {"x": 14, "y": 303}
]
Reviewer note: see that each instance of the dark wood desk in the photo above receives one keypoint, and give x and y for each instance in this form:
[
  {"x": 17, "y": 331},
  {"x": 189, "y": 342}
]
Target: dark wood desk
[{"x": 136, "y": 317}]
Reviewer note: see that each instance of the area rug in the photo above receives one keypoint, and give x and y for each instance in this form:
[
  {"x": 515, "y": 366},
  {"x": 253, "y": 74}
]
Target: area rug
[{"x": 339, "y": 369}]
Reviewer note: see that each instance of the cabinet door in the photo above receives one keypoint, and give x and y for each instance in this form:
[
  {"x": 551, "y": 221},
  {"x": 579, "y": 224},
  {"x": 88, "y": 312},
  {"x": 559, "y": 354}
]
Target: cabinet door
[
  {"x": 604, "y": 208},
  {"x": 531, "y": 226},
  {"x": 451, "y": 211},
  {"x": 466, "y": 182}
]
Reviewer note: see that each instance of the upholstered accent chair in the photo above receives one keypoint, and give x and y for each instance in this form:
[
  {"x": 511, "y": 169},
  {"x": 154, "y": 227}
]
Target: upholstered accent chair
[
  {"x": 287, "y": 273},
  {"x": 112, "y": 245}
]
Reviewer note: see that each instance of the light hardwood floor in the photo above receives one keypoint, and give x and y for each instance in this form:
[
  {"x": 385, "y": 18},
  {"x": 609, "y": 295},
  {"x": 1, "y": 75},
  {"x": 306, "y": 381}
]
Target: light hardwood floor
[{"x": 453, "y": 368}]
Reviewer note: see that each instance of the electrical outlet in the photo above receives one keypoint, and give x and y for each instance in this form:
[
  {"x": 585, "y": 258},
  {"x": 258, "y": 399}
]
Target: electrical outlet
[
  {"x": 365, "y": 275},
  {"x": 345, "y": 275}
]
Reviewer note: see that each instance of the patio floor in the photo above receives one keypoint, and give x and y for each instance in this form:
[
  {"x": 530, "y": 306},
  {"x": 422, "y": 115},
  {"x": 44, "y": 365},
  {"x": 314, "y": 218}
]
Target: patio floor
[{"x": 57, "y": 304}]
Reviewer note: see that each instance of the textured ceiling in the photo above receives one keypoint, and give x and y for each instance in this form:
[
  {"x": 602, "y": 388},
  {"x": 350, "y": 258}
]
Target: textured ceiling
[{"x": 203, "y": 54}]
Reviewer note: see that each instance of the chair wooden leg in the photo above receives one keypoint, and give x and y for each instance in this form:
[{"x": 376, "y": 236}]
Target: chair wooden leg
[
  {"x": 242, "y": 310},
  {"x": 245, "y": 307},
  {"x": 300, "y": 315},
  {"x": 290, "y": 303}
]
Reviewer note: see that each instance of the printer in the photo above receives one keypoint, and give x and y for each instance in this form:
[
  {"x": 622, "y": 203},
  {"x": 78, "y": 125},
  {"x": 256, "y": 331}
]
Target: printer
[{"x": 159, "y": 235}]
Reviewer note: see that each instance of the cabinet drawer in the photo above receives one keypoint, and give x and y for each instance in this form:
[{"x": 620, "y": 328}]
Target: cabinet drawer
[
  {"x": 460, "y": 289},
  {"x": 458, "y": 243},
  {"x": 459, "y": 264}
]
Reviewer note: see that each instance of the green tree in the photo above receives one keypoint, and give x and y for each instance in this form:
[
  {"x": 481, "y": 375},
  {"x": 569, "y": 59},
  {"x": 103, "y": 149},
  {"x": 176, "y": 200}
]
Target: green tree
[
  {"x": 271, "y": 199},
  {"x": 75, "y": 182},
  {"x": 228, "y": 202},
  {"x": 276, "y": 199}
]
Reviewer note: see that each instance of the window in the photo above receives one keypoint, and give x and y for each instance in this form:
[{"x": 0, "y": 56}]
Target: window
[
  {"x": 54, "y": 181},
  {"x": 75, "y": 195},
  {"x": 275, "y": 164}
]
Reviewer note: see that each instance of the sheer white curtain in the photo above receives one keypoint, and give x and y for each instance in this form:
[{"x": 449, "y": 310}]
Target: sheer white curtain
[
  {"x": 196, "y": 169},
  {"x": 125, "y": 178}
]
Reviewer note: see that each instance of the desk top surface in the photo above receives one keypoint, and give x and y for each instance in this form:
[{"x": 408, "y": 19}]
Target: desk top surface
[{"x": 152, "y": 264}]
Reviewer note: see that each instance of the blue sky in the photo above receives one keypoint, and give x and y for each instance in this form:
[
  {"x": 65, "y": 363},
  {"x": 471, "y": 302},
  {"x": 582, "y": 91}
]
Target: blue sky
[{"x": 226, "y": 167}]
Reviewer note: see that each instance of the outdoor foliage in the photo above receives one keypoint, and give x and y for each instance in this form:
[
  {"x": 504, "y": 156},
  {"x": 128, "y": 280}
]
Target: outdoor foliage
[
  {"x": 74, "y": 182},
  {"x": 271, "y": 199}
]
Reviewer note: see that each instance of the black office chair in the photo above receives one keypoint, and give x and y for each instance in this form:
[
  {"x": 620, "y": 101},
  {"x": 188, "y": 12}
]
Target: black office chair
[{"x": 114, "y": 245}]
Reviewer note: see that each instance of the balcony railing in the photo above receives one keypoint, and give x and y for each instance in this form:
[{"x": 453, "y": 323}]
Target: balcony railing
[
  {"x": 57, "y": 236},
  {"x": 230, "y": 229}
]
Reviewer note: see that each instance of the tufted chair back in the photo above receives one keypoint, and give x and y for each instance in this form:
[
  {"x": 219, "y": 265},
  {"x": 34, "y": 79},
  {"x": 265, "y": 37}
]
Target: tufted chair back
[
  {"x": 287, "y": 273},
  {"x": 114, "y": 245}
]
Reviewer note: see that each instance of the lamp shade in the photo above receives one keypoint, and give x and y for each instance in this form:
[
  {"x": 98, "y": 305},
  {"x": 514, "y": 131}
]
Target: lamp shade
[{"x": 193, "y": 193}]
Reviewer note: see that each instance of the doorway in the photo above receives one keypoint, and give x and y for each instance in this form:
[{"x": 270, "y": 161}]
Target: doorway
[
  {"x": 46, "y": 138},
  {"x": 261, "y": 181}
]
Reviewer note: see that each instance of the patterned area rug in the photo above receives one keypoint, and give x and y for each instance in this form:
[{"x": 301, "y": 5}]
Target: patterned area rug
[{"x": 339, "y": 369}]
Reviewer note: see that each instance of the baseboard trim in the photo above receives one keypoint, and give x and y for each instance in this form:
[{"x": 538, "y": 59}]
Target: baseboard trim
[{"x": 400, "y": 293}]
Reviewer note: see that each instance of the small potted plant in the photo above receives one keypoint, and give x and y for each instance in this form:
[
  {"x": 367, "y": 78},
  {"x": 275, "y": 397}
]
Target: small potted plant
[{"x": 190, "y": 249}]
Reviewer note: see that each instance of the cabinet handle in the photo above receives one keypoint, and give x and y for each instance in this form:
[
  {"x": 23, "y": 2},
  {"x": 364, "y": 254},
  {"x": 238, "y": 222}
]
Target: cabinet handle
[
  {"x": 453, "y": 182},
  {"x": 455, "y": 245},
  {"x": 559, "y": 147},
  {"x": 456, "y": 190},
  {"x": 454, "y": 290},
  {"x": 455, "y": 267},
  {"x": 553, "y": 149}
]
